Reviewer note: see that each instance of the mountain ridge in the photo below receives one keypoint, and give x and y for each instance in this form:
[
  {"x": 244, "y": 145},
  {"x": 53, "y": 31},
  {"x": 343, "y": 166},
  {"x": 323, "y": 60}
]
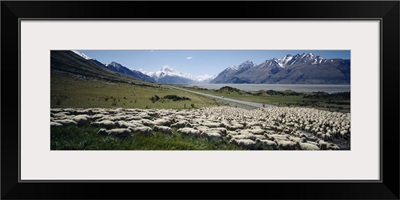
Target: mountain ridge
[{"x": 305, "y": 68}]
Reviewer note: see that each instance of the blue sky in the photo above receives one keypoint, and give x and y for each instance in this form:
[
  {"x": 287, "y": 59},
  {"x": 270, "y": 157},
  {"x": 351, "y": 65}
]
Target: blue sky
[{"x": 197, "y": 62}]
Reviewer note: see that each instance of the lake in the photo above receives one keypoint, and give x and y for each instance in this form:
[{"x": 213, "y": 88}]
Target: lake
[{"x": 280, "y": 87}]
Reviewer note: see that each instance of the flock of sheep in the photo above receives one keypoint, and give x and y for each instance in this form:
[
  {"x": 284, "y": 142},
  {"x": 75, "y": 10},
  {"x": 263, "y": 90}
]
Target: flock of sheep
[{"x": 280, "y": 128}]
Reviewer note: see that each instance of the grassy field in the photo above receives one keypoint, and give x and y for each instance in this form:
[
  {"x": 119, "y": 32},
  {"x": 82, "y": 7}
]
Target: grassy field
[
  {"x": 74, "y": 92},
  {"x": 332, "y": 102},
  {"x": 86, "y": 138}
]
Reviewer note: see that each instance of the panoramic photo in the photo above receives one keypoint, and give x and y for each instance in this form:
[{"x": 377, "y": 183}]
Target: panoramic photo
[{"x": 200, "y": 100}]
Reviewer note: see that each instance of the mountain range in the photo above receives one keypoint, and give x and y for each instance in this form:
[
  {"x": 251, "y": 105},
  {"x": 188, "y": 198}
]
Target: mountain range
[{"x": 305, "y": 68}]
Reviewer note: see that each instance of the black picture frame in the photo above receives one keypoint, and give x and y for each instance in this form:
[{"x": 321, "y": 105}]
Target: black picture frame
[{"x": 386, "y": 11}]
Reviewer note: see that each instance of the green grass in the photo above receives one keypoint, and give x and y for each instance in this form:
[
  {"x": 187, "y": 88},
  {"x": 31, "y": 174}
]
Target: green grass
[
  {"x": 86, "y": 138},
  {"x": 286, "y": 98},
  {"x": 72, "y": 92}
]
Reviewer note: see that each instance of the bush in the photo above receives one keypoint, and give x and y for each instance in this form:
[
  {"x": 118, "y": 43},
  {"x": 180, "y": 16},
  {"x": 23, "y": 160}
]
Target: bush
[{"x": 174, "y": 97}]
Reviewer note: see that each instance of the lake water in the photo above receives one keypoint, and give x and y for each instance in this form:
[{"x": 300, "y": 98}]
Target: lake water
[{"x": 280, "y": 87}]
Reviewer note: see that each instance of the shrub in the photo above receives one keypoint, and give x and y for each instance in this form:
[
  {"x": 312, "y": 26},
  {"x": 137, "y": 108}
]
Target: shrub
[{"x": 174, "y": 97}]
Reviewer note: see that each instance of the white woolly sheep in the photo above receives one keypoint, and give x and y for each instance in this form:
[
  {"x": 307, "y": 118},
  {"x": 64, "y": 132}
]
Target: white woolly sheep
[
  {"x": 211, "y": 134},
  {"x": 247, "y": 143},
  {"x": 286, "y": 145},
  {"x": 189, "y": 131},
  {"x": 180, "y": 124},
  {"x": 104, "y": 124},
  {"x": 162, "y": 122},
  {"x": 124, "y": 124},
  {"x": 147, "y": 122},
  {"x": 142, "y": 130},
  {"x": 259, "y": 137},
  {"x": 276, "y": 137},
  {"x": 211, "y": 124},
  {"x": 323, "y": 145},
  {"x": 221, "y": 131},
  {"x": 55, "y": 124},
  {"x": 257, "y": 131},
  {"x": 308, "y": 146},
  {"x": 66, "y": 122},
  {"x": 81, "y": 119}
]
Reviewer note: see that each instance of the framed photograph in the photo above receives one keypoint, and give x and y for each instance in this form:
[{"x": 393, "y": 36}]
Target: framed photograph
[{"x": 277, "y": 96}]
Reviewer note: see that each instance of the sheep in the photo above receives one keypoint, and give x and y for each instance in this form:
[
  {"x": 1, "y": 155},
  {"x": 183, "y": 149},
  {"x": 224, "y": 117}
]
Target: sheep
[
  {"x": 147, "y": 122},
  {"x": 66, "y": 122},
  {"x": 81, "y": 119},
  {"x": 255, "y": 137},
  {"x": 345, "y": 134},
  {"x": 268, "y": 143},
  {"x": 239, "y": 137},
  {"x": 211, "y": 124},
  {"x": 257, "y": 131},
  {"x": 307, "y": 146},
  {"x": 211, "y": 134},
  {"x": 276, "y": 137},
  {"x": 323, "y": 145},
  {"x": 124, "y": 124},
  {"x": 162, "y": 122},
  {"x": 180, "y": 124},
  {"x": 96, "y": 116},
  {"x": 247, "y": 143},
  {"x": 234, "y": 127},
  {"x": 142, "y": 130},
  {"x": 296, "y": 139},
  {"x": 221, "y": 131},
  {"x": 144, "y": 116},
  {"x": 232, "y": 133},
  {"x": 55, "y": 124},
  {"x": 163, "y": 129},
  {"x": 246, "y": 132},
  {"x": 189, "y": 131},
  {"x": 286, "y": 145},
  {"x": 104, "y": 124}
]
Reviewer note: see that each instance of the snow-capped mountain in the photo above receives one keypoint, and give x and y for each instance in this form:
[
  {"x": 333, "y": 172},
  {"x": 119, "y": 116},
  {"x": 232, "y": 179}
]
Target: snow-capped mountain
[
  {"x": 289, "y": 60},
  {"x": 82, "y": 55},
  {"x": 167, "y": 75},
  {"x": 300, "y": 68}
]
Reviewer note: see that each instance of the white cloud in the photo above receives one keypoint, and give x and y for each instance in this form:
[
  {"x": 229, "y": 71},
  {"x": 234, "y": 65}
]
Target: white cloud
[{"x": 189, "y": 58}]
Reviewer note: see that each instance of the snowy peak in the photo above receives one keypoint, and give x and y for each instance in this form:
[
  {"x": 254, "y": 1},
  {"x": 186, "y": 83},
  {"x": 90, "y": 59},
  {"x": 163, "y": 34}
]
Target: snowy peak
[
  {"x": 167, "y": 69},
  {"x": 306, "y": 58},
  {"x": 168, "y": 75},
  {"x": 84, "y": 56},
  {"x": 115, "y": 65}
]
